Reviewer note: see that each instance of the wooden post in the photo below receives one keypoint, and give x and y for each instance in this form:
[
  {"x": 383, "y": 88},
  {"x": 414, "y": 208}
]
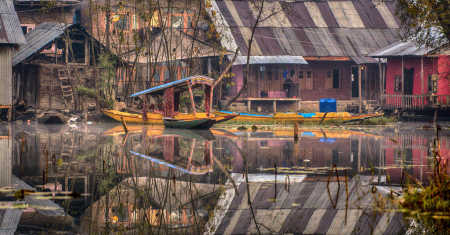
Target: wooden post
[
  {"x": 274, "y": 106},
  {"x": 211, "y": 100},
  {"x": 359, "y": 89},
  {"x": 421, "y": 75},
  {"x": 403, "y": 76},
  {"x": 296, "y": 132},
  {"x": 381, "y": 79},
  {"x": 191, "y": 94},
  {"x": 249, "y": 105},
  {"x": 10, "y": 112}
]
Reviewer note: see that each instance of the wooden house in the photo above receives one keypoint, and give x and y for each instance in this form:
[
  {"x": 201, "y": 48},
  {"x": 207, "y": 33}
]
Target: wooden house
[
  {"x": 318, "y": 49},
  {"x": 58, "y": 60},
  {"x": 162, "y": 42},
  {"x": 11, "y": 37},
  {"x": 416, "y": 78}
]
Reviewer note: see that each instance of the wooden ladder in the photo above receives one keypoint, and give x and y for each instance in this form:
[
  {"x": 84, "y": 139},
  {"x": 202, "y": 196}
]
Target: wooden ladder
[{"x": 66, "y": 88}]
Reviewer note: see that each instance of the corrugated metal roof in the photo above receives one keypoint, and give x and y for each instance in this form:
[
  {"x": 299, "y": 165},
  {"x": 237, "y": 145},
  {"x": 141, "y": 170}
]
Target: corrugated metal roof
[
  {"x": 270, "y": 60},
  {"x": 308, "y": 28},
  {"x": 174, "y": 83},
  {"x": 400, "y": 48},
  {"x": 10, "y": 30},
  {"x": 39, "y": 38}
]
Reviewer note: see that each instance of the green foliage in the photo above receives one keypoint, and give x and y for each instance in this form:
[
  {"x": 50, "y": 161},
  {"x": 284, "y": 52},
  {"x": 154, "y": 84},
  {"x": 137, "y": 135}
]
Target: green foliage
[
  {"x": 85, "y": 91},
  {"x": 428, "y": 21},
  {"x": 430, "y": 205}
]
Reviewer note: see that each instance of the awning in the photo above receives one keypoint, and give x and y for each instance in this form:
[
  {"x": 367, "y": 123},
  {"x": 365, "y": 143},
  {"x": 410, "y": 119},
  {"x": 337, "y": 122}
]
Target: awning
[{"x": 283, "y": 59}]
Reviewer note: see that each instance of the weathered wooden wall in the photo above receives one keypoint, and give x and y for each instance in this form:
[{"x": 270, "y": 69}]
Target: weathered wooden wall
[
  {"x": 314, "y": 83},
  {"x": 5, "y": 75}
]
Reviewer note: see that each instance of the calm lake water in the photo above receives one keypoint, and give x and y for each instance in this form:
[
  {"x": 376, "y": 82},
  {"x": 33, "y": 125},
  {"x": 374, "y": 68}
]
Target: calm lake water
[{"x": 97, "y": 179}]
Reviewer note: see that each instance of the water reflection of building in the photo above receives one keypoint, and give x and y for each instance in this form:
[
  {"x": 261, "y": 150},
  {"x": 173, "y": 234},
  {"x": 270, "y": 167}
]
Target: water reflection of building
[
  {"x": 315, "y": 149},
  {"x": 144, "y": 204},
  {"x": 5, "y": 160},
  {"x": 412, "y": 155},
  {"x": 318, "y": 150}
]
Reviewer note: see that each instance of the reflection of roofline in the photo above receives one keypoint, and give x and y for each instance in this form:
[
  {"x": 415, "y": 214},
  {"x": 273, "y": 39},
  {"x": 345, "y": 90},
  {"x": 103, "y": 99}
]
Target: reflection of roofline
[{"x": 164, "y": 163}]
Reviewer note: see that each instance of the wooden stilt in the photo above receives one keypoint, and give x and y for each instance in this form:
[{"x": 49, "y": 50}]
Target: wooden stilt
[
  {"x": 124, "y": 124},
  {"x": 10, "y": 112},
  {"x": 360, "y": 89},
  {"x": 296, "y": 132}
]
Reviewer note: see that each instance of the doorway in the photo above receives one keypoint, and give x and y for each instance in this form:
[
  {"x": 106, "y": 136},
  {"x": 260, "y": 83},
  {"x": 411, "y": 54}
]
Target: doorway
[
  {"x": 409, "y": 81},
  {"x": 355, "y": 79}
]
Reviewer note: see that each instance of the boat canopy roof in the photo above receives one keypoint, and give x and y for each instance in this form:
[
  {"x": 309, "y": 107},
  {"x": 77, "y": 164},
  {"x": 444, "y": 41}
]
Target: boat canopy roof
[{"x": 194, "y": 80}]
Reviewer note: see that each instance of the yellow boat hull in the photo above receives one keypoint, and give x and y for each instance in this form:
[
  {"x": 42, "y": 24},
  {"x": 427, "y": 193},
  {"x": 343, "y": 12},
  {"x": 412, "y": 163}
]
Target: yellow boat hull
[
  {"x": 156, "y": 118},
  {"x": 294, "y": 117},
  {"x": 152, "y": 118}
]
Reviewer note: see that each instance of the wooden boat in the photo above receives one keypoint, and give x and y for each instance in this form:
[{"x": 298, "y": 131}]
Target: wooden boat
[
  {"x": 171, "y": 92},
  {"x": 307, "y": 117}
]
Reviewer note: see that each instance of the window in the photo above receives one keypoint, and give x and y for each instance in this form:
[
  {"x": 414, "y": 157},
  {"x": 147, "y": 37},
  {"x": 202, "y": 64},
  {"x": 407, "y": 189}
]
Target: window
[
  {"x": 156, "y": 76},
  {"x": 120, "y": 22},
  {"x": 176, "y": 21},
  {"x": 335, "y": 78},
  {"x": 398, "y": 83},
  {"x": 300, "y": 75},
  {"x": 26, "y": 28}
]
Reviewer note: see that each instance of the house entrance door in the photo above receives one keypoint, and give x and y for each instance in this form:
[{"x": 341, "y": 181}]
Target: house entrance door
[
  {"x": 355, "y": 79},
  {"x": 409, "y": 81}
]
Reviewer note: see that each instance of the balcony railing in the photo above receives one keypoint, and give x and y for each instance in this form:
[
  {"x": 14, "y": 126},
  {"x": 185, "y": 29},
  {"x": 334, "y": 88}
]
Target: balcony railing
[{"x": 415, "y": 102}]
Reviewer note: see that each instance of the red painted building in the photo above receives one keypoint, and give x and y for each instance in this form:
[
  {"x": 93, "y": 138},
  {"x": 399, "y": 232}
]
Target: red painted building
[{"x": 415, "y": 77}]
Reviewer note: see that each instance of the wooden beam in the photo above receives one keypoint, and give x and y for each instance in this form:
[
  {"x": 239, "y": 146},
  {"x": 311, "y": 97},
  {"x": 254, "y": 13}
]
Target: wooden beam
[
  {"x": 421, "y": 75},
  {"x": 359, "y": 89},
  {"x": 403, "y": 76},
  {"x": 327, "y": 58},
  {"x": 211, "y": 100},
  {"x": 191, "y": 94}
]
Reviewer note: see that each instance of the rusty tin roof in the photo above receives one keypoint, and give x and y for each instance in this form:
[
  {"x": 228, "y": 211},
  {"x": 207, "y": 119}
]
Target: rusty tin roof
[{"x": 308, "y": 28}]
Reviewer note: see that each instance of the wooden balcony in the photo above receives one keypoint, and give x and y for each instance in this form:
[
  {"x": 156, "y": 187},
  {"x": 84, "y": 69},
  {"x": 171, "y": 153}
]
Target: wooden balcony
[{"x": 415, "y": 102}]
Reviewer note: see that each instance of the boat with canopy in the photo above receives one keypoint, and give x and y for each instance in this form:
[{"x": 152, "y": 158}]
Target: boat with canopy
[{"x": 170, "y": 115}]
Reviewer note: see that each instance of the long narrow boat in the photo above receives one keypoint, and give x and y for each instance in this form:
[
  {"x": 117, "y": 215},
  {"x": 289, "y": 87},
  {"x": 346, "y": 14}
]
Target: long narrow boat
[
  {"x": 308, "y": 117},
  {"x": 171, "y": 94}
]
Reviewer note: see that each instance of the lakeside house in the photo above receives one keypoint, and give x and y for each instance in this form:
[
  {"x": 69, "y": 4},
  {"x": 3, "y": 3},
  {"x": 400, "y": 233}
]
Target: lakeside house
[
  {"x": 416, "y": 77},
  {"x": 11, "y": 37},
  {"x": 57, "y": 60},
  {"x": 321, "y": 46}
]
